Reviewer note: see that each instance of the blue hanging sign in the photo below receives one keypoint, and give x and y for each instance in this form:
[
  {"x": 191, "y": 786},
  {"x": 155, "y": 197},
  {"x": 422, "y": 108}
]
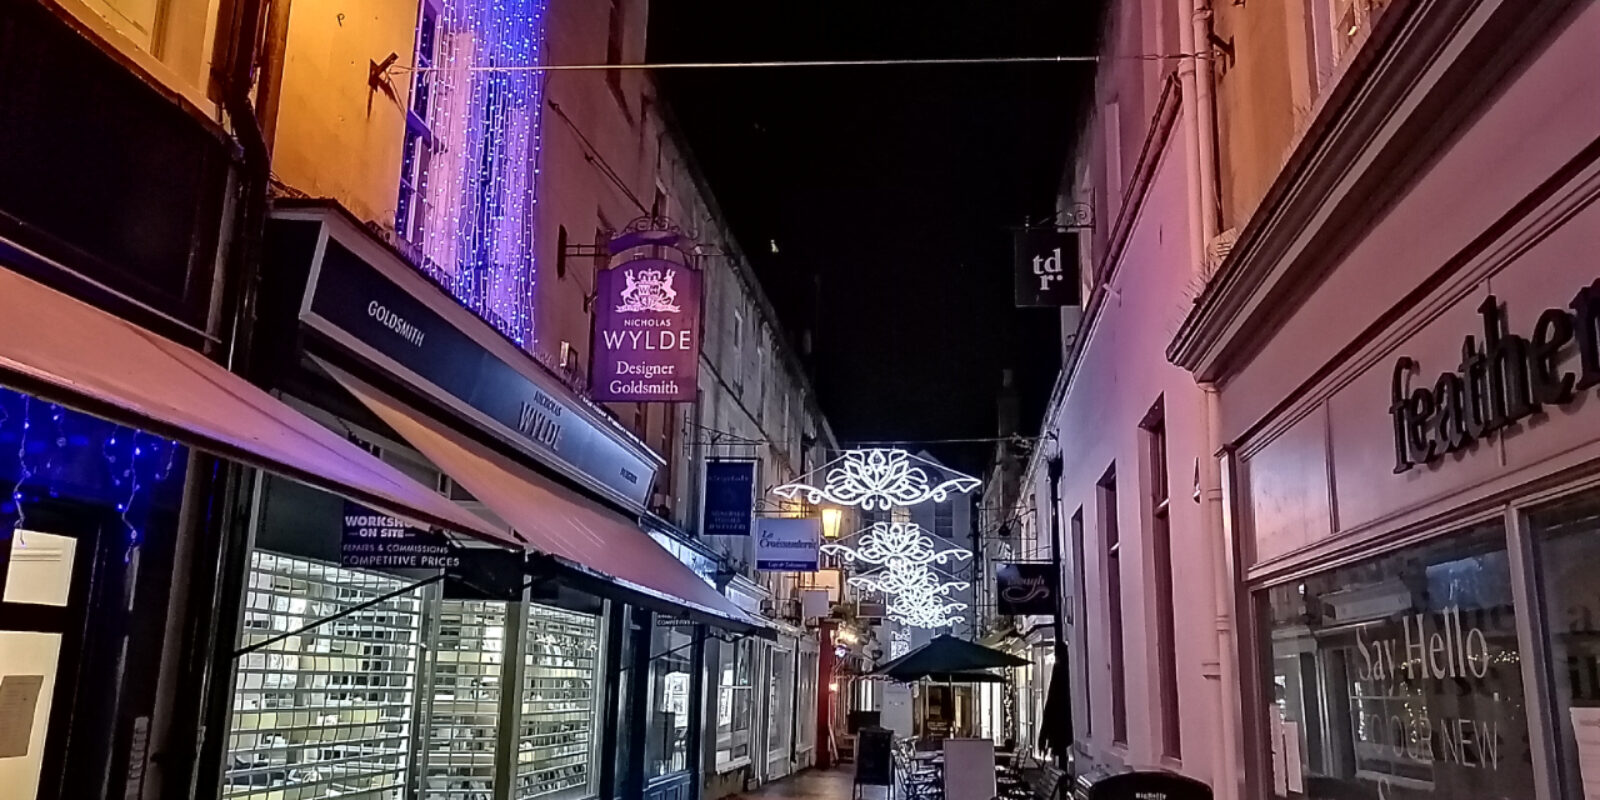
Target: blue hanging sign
[{"x": 730, "y": 498}]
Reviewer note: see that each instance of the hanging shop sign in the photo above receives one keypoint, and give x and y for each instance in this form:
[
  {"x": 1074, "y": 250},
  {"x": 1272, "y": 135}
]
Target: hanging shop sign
[
  {"x": 356, "y": 304},
  {"x": 1045, "y": 266},
  {"x": 788, "y": 544},
  {"x": 486, "y": 573},
  {"x": 729, "y": 498},
  {"x": 371, "y": 540},
  {"x": 1503, "y": 379},
  {"x": 646, "y": 343},
  {"x": 1025, "y": 588}
]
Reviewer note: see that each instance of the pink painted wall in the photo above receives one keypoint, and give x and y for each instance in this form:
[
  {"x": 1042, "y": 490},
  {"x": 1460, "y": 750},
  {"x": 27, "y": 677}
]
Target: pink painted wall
[
  {"x": 1122, "y": 373},
  {"x": 1323, "y": 467}
]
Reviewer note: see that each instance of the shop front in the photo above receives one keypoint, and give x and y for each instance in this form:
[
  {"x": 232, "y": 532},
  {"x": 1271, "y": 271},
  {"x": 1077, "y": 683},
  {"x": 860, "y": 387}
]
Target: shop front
[
  {"x": 577, "y": 672},
  {"x": 1413, "y": 457}
]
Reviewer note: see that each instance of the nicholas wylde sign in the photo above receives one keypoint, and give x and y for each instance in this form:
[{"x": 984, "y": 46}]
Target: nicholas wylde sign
[
  {"x": 1500, "y": 380},
  {"x": 646, "y": 344}
]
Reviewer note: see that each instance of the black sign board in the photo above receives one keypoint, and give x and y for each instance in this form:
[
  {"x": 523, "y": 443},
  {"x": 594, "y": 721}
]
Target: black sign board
[
  {"x": 372, "y": 540},
  {"x": 874, "y": 756},
  {"x": 1147, "y": 785},
  {"x": 485, "y": 573},
  {"x": 1045, "y": 265},
  {"x": 1023, "y": 588},
  {"x": 730, "y": 497}
]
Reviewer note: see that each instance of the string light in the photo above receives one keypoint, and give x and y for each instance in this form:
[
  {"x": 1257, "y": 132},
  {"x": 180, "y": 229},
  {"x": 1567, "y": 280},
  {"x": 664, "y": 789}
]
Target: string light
[
  {"x": 480, "y": 189},
  {"x": 131, "y": 463},
  {"x": 878, "y": 479}
]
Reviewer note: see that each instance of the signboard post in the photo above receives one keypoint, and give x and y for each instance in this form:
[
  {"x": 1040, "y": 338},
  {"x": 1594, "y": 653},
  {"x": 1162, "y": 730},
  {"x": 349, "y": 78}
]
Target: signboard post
[
  {"x": 1045, "y": 265},
  {"x": 788, "y": 544},
  {"x": 729, "y": 498},
  {"x": 646, "y": 343}
]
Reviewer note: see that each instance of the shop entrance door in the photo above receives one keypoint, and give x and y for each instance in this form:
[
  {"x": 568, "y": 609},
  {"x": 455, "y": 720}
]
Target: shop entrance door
[{"x": 47, "y": 566}]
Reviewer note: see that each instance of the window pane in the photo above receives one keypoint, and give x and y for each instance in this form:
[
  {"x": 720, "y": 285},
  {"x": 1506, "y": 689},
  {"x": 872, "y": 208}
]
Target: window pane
[
  {"x": 1399, "y": 677},
  {"x": 1568, "y": 556}
]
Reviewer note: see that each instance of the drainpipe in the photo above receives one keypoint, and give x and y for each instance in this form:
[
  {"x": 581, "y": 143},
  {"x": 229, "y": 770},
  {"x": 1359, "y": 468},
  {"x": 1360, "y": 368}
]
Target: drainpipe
[{"x": 1195, "y": 76}]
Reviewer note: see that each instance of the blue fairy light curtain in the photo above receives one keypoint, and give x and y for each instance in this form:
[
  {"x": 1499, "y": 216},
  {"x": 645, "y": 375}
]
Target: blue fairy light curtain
[
  {"x": 51, "y": 455},
  {"x": 481, "y": 186}
]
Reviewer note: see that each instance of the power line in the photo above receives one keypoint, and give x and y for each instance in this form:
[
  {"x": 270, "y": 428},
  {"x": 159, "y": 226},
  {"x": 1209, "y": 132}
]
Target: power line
[{"x": 852, "y": 62}]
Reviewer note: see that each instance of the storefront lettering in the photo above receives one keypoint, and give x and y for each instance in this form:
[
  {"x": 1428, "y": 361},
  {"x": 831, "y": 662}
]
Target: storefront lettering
[
  {"x": 1426, "y": 651},
  {"x": 1498, "y": 384}
]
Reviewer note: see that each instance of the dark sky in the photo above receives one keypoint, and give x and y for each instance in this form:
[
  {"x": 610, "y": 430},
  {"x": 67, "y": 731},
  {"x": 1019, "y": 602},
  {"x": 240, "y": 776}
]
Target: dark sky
[{"x": 889, "y": 191}]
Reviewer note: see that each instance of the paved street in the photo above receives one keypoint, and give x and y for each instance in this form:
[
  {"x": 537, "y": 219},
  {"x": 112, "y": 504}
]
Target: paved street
[{"x": 813, "y": 784}]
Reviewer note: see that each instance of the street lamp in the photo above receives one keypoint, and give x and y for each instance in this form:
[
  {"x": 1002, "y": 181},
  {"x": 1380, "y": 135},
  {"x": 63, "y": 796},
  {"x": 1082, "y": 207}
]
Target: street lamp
[{"x": 831, "y": 517}]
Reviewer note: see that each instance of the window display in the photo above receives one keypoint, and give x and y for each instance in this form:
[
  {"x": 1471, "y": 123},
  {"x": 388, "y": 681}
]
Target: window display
[
  {"x": 559, "y": 723},
  {"x": 466, "y": 675},
  {"x": 1566, "y": 536},
  {"x": 1399, "y": 677},
  {"x": 671, "y": 670},
  {"x": 734, "y": 702},
  {"x": 326, "y": 713}
]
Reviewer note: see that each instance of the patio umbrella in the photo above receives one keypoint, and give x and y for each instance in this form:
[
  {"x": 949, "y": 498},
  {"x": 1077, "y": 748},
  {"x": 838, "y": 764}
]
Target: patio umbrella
[
  {"x": 1055, "y": 724},
  {"x": 946, "y": 655}
]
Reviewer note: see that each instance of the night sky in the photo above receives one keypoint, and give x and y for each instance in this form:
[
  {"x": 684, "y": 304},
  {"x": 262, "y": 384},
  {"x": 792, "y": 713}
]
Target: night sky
[{"x": 889, "y": 191}]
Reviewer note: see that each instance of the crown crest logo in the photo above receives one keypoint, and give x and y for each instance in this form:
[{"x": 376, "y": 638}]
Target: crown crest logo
[{"x": 650, "y": 291}]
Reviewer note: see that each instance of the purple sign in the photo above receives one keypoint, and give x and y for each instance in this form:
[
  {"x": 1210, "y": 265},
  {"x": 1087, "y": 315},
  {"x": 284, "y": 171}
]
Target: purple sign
[{"x": 646, "y": 346}]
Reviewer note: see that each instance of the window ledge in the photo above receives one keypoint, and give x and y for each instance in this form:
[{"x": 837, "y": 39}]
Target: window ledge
[{"x": 729, "y": 766}]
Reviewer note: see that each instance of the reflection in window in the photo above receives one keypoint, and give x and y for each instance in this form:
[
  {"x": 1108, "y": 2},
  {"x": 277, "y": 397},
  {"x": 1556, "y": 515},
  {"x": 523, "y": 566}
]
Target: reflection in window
[{"x": 1399, "y": 677}]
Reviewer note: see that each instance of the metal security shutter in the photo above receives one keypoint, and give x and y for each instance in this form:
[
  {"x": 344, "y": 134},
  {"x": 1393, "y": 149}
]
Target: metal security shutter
[
  {"x": 559, "y": 719},
  {"x": 326, "y": 713},
  {"x": 463, "y": 717}
]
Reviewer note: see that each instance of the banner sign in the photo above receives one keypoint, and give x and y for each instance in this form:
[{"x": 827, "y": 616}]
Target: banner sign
[
  {"x": 646, "y": 343},
  {"x": 358, "y": 306},
  {"x": 788, "y": 544},
  {"x": 730, "y": 498},
  {"x": 377, "y": 541},
  {"x": 1045, "y": 265},
  {"x": 1025, "y": 588}
]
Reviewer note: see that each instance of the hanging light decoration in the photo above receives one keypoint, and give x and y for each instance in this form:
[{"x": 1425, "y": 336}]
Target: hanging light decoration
[
  {"x": 481, "y": 184},
  {"x": 899, "y": 643},
  {"x": 878, "y": 479},
  {"x": 918, "y": 594}
]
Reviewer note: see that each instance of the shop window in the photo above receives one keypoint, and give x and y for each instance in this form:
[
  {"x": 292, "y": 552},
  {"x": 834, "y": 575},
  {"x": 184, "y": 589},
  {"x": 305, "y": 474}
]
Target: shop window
[
  {"x": 325, "y": 713},
  {"x": 560, "y": 667},
  {"x": 734, "y": 702},
  {"x": 671, "y": 676},
  {"x": 465, "y": 677},
  {"x": 780, "y": 705},
  {"x": 1155, "y": 436},
  {"x": 1567, "y": 538},
  {"x": 614, "y": 32},
  {"x": 1400, "y": 677}
]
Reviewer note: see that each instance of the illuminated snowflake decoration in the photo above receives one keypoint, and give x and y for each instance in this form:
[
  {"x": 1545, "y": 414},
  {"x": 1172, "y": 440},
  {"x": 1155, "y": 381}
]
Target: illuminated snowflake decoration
[
  {"x": 877, "y": 480},
  {"x": 906, "y": 554}
]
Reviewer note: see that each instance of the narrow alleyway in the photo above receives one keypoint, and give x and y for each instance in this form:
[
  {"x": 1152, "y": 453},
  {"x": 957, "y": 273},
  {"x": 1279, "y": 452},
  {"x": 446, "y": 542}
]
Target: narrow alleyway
[{"x": 813, "y": 784}]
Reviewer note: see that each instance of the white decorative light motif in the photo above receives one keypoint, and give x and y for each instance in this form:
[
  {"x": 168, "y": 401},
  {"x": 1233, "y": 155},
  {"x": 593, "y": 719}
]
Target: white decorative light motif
[
  {"x": 877, "y": 479},
  {"x": 919, "y": 595}
]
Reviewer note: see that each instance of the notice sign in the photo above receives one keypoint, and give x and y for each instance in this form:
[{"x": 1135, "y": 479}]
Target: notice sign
[
  {"x": 377, "y": 541},
  {"x": 788, "y": 544},
  {"x": 1045, "y": 264},
  {"x": 730, "y": 497},
  {"x": 646, "y": 344},
  {"x": 1025, "y": 588}
]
